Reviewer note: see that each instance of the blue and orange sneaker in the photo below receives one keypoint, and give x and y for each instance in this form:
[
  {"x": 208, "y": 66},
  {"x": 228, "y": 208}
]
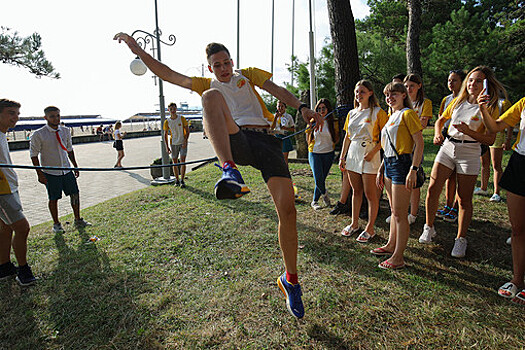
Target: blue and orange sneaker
[
  {"x": 293, "y": 293},
  {"x": 231, "y": 185}
]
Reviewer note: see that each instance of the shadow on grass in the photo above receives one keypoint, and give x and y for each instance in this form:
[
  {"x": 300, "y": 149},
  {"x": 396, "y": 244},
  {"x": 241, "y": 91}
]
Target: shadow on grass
[
  {"x": 138, "y": 177},
  {"x": 325, "y": 337}
]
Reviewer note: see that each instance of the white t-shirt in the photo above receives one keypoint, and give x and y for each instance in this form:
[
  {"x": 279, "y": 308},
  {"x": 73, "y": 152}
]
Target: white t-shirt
[
  {"x": 284, "y": 121},
  {"x": 44, "y": 142},
  {"x": 323, "y": 140},
  {"x": 177, "y": 130},
  {"x": 8, "y": 177}
]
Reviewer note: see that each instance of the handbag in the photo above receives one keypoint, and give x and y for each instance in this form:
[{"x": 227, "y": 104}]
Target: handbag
[{"x": 421, "y": 177}]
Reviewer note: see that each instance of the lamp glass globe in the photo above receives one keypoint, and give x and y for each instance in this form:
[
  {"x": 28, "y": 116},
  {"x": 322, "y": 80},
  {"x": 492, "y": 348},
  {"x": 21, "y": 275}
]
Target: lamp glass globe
[{"x": 138, "y": 67}]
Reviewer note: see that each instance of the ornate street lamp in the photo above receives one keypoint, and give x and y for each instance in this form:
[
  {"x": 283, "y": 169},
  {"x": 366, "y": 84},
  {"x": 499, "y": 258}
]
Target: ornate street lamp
[{"x": 137, "y": 67}]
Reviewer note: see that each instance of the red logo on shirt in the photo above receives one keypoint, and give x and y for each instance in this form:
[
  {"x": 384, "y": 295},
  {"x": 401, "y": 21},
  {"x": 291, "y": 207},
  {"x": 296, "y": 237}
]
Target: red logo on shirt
[
  {"x": 367, "y": 120},
  {"x": 241, "y": 83},
  {"x": 475, "y": 118}
]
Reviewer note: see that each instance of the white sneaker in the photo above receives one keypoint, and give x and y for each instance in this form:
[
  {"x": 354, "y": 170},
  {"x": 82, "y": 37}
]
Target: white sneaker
[
  {"x": 388, "y": 219},
  {"x": 411, "y": 219},
  {"x": 326, "y": 199},
  {"x": 315, "y": 205},
  {"x": 480, "y": 192},
  {"x": 509, "y": 240},
  {"x": 460, "y": 247},
  {"x": 427, "y": 235},
  {"x": 57, "y": 228},
  {"x": 495, "y": 198}
]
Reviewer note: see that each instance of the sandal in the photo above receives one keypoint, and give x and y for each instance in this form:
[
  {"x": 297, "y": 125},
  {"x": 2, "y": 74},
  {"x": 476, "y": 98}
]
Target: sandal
[
  {"x": 380, "y": 252},
  {"x": 386, "y": 265},
  {"x": 364, "y": 237},
  {"x": 348, "y": 231},
  {"x": 519, "y": 298},
  {"x": 508, "y": 290}
]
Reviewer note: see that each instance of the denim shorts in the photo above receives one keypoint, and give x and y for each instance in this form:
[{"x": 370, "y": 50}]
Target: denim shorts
[{"x": 397, "y": 168}]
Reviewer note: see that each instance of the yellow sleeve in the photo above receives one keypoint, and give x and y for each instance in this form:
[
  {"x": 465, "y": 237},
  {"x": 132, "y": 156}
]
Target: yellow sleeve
[
  {"x": 447, "y": 114},
  {"x": 442, "y": 106},
  {"x": 184, "y": 121},
  {"x": 345, "y": 127},
  {"x": 412, "y": 121},
  {"x": 199, "y": 85},
  {"x": 257, "y": 76},
  {"x": 513, "y": 115},
  {"x": 427, "y": 109},
  {"x": 505, "y": 106},
  {"x": 381, "y": 120},
  {"x": 166, "y": 126}
]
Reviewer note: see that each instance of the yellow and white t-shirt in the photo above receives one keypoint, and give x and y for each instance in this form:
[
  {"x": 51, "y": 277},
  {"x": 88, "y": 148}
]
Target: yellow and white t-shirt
[
  {"x": 322, "y": 141},
  {"x": 401, "y": 126},
  {"x": 511, "y": 117},
  {"x": 176, "y": 128},
  {"x": 365, "y": 125},
  {"x": 444, "y": 103},
  {"x": 467, "y": 113},
  {"x": 8, "y": 177},
  {"x": 424, "y": 110},
  {"x": 245, "y": 104}
]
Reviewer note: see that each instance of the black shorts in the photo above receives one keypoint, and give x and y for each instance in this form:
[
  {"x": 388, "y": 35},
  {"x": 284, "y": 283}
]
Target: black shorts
[
  {"x": 56, "y": 184},
  {"x": 118, "y": 145},
  {"x": 513, "y": 178},
  {"x": 261, "y": 151}
]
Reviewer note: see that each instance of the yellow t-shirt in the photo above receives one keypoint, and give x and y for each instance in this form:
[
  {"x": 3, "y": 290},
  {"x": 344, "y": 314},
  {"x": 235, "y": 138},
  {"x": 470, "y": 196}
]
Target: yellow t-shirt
[
  {"x": 401, "y": 126},
  {"x": 424, "y": 111},
  {"x": 444, "y": 103},
  {"x": 245, "y": 104},
  {"x": 511, "y": 117}
]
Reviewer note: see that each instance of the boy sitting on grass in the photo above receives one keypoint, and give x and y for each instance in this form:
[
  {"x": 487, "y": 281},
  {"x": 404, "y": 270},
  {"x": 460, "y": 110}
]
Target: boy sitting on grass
[{"x": 237, "y": 124}]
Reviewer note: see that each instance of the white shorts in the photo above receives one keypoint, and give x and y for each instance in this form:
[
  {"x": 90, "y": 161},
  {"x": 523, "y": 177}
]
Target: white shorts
[
  {"x": 11, "y": 208},
  {"x": 355, "y": 158},
  {"x": 463, "y": 157}
]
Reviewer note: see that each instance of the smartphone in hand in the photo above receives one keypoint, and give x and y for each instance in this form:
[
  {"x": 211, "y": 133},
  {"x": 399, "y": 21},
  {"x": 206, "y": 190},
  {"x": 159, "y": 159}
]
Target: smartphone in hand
[{"x": 486, "y": 86}]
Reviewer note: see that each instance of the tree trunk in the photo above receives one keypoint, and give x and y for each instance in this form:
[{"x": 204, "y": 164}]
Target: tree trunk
[
  {"x": 342, "y": 30},
  {"x": 414, "y": 30},
  {"x": 300, "y": 139}
]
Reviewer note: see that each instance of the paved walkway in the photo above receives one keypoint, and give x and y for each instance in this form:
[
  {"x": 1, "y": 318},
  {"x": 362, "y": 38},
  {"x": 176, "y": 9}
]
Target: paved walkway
[{"x": 96, "y": 187}]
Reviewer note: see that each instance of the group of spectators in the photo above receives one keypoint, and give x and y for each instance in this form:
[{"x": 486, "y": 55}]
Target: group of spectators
[{"x": 385, "y": 150}]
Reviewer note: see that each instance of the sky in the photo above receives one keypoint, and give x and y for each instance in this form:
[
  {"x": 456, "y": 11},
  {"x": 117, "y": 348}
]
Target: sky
[{"x": 94, "y": 69}]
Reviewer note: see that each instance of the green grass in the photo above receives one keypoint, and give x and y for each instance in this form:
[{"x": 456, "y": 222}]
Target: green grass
[{"x": 178, "y": 269}]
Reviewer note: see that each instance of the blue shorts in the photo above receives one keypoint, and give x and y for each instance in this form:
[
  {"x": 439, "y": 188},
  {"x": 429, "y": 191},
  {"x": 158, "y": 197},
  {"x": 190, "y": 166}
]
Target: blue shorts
[
  {"x": 287, "y": 142},
  {"x": 56, "y": 184},
  {"x": 397, "y": 168}
]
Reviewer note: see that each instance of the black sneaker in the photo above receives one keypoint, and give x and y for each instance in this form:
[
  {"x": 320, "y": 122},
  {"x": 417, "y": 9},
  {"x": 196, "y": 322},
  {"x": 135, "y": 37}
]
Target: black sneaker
[
  {"x": 182, "y": 184},
  {"x": 340, "y": 208},
  {"x": 177, "y": 183},
  {"x": 25, "y": 276},
  {"x": 7, "y": 271}
]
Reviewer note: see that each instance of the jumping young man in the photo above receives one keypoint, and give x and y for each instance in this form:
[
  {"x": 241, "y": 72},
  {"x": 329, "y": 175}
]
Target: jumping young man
[
  {"x": 12, "y": 218},
  {"x": 237, "y": 124}
]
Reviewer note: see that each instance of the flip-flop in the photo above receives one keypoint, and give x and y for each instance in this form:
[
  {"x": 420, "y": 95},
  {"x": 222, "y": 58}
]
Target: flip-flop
[
  {"x": 380, "y": 252},
  {"x": 386, "y": 265},
  {"x": 508, "y": 290},
  {"x": 348, "y": 231},
  {"x": 364, "y": 237},
  {"x": 519, "y": 298}
]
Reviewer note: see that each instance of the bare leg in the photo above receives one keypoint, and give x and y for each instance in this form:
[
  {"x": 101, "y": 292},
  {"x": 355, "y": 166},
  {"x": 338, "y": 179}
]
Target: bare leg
[
  {"x": 345, "y": 189},
  {"x": 369, "y": 184},
  {"x": 438, "y": 176},
  {"x": 400, "y": 201},
  {"x": 218, "y": 123},
  {"x": 415, "y": 194},
  {"x": 286, "y": 154},
  {"x": 53, "y": 209},
  {"x": 182, "y": 168},
  {"x": 75, "y": 205},
  {"x": 485, "y": 170},
  {"x": 281, "y": 189},
  {"x": 176, "y": 169},
  {"x": 466, "y": 184},
  {"x": 450, "y": 193},
  {"x": 496, "y": 157},
  {"x": 515, "y": 204},
  {"x": 21, "y": 228},
  {"x": 392, "y": 235},
  {"x": 357, "y": 196},
  {"x": 6, "y": 235}
]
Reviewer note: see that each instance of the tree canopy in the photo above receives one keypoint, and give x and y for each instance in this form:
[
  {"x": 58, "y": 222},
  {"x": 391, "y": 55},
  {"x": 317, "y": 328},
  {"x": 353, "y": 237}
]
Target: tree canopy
[{"x": 25, "y": 52}]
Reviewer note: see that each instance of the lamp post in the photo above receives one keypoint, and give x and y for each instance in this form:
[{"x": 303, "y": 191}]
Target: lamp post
[{"x": 144, "y": 39}]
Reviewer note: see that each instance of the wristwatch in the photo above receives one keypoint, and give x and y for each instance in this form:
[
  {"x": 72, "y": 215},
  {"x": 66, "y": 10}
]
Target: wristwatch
[{"x": 415, "y": 168}]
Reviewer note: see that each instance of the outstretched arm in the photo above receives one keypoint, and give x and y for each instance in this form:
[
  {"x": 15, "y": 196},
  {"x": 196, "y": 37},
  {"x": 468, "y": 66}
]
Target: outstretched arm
[
  {"x": 158, "y": 68},
  {"x": 287, "y": 97}
]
